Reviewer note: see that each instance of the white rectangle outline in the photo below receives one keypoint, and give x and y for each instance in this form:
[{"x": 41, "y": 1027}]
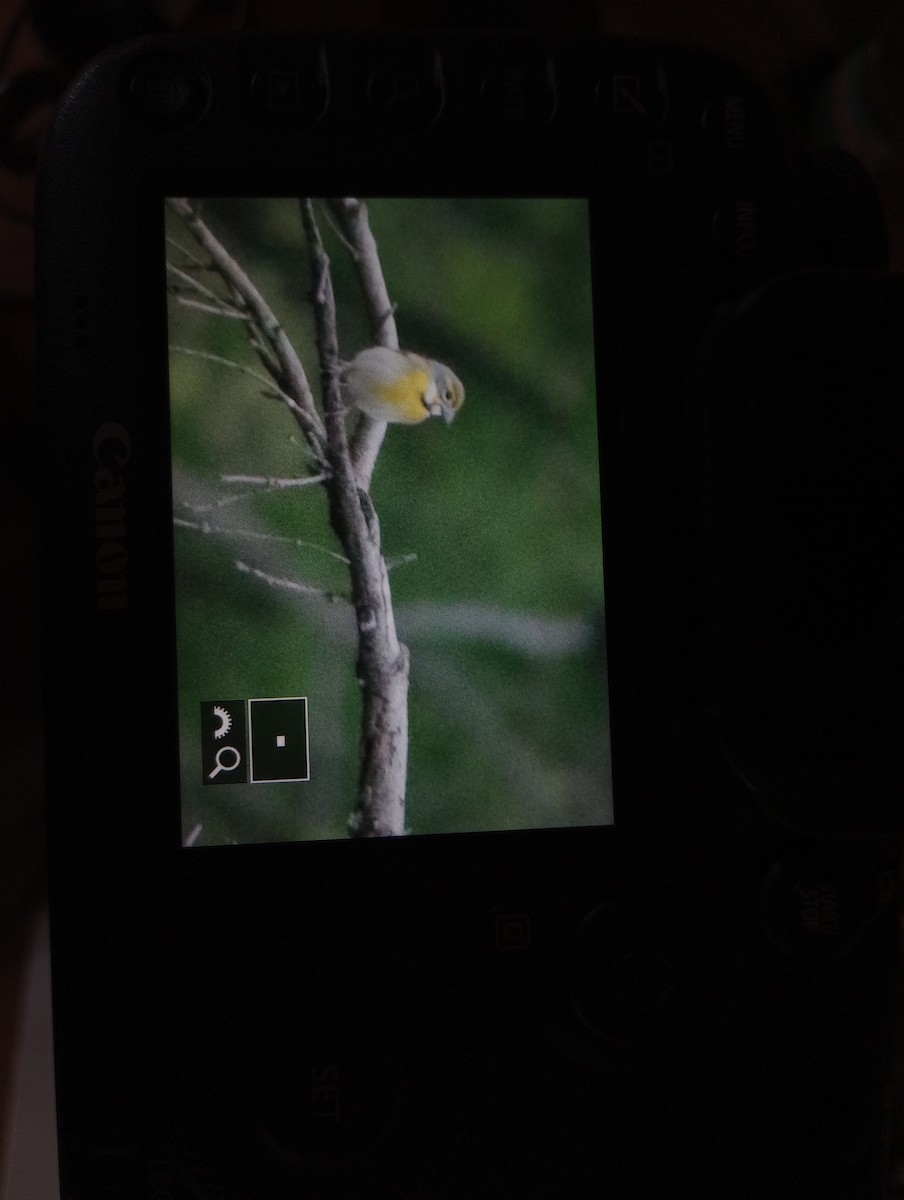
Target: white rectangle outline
[{"x": 307, "y": 739}]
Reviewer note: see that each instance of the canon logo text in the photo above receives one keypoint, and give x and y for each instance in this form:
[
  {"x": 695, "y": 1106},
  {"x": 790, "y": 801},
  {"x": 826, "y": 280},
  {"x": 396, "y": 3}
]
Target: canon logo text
[{"x": 112, "y": 451}]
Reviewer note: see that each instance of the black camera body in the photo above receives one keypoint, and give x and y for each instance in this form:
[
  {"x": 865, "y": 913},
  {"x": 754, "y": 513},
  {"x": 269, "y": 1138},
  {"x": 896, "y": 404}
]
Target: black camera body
[{"x": 657, "y": 949}]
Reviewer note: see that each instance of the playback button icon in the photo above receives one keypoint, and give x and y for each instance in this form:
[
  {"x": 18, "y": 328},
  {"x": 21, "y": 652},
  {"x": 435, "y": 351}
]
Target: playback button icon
[{"x": 278, "y": 740}]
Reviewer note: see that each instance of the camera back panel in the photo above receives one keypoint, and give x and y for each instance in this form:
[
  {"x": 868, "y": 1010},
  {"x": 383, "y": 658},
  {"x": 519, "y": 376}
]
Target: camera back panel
[{"x": 639, "y": 931}]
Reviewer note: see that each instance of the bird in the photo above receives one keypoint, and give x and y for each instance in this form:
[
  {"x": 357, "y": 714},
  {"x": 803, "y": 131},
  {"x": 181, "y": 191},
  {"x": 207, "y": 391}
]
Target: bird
[{"x": 401, "y": 387}]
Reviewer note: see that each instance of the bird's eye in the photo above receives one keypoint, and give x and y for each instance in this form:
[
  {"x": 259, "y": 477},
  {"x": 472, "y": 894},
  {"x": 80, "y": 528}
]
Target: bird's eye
[{"x": 448, "y": 394}]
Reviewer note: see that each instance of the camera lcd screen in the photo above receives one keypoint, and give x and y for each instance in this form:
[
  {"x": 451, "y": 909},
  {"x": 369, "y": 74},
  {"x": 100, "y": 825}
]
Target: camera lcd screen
[{"x": 483, "y": 498}]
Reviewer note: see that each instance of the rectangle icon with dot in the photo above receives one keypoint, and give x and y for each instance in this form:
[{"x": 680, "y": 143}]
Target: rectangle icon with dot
[{"x": 279, "y": 740}]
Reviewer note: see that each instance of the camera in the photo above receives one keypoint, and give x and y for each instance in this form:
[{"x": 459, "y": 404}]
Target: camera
[{"x": 500, "y": 805}]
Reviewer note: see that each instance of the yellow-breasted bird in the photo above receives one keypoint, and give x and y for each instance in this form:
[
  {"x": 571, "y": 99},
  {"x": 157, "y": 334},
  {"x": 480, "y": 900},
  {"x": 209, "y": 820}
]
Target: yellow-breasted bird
[{"x": 401, "y": 387}]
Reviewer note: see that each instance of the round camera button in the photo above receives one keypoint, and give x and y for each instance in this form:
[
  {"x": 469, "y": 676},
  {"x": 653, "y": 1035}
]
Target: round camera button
[
  {"x": 731, "y": 123},
  {"x": 328, "y": 1103},
  {"x": 633, "y": 98},
  {"x": 169, "y": 91},
  {"x": 816, "y": 909},
  {"x": 291, "y": 92},
  {"x": 520, "y": 95},
  {"x": 408, "y": 93}
]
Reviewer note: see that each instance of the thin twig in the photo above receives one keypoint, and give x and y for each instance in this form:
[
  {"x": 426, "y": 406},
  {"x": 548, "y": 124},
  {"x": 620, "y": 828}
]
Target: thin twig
[
  {"x": 215, "y": 310},
  {"x": 273, "y": 484},
  {"x": 192, "y": 284},
  {"x": 224, "y": 362},
  {"x": 287, "y": 585},
  {"x": 257, "y": 535}
]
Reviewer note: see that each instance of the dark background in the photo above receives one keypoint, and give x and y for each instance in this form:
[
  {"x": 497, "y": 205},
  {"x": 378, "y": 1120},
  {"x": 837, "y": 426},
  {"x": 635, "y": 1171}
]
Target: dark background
[{"x": 801, "y": 51}]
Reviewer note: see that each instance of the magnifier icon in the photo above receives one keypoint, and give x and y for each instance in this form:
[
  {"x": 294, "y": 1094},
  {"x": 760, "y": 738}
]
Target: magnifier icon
[{"x": 220, "y": 760}]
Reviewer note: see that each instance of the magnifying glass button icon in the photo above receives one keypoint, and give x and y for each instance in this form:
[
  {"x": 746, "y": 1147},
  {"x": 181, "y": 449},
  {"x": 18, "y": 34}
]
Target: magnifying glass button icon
[{"x": 220, "y": 758}]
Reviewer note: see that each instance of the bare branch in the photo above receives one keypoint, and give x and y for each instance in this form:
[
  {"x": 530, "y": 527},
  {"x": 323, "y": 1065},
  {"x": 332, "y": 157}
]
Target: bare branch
[
  {"x": 524, "y": 633},
  {"x": 382, "y": 660},
  {"x": 197, "y": 263},
  {"x": 345, "y": 471},
  {"x": 259, "y": 481},
  {"x": 191, "y": 284},
  {"x": 287, "y": 585},
  {"x": 223, "y": 362},
  {"x": 351, "y": 216},
  {"x": 273, "y": 555},
  {"x": 267, "y": 388},
  {"x": 272, "y": 484},
  {"x": 256, "y": 535},
  {"x": 400, "y": 560},
  {"x": 218, "y": 310},
  {"x": 291, "y": 377},
  {"x": 193, "y": 834}
]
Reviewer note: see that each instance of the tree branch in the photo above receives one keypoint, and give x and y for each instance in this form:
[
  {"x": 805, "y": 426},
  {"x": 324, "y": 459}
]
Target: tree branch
[
  {"x": 345, "y": 471},
  {"x": 351, "y": 217},
  {"x": 281, "y": 359},
  {"x": 382, "y": 661}
]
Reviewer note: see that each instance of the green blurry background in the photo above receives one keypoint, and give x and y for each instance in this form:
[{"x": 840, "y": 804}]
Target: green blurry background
[{"x": 502, "y": 606}]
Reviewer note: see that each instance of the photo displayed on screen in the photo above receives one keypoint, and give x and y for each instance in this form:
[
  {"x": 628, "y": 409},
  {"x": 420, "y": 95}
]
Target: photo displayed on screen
[{"x": 386, "y": 518}]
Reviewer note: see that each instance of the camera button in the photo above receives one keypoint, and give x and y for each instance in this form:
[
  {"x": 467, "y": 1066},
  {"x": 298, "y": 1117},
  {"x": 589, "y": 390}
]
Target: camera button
[
  {"x": 290, "y": 94},
  {"x": 633, "y": 100},
  {"x": 627, "y": 971},
  {"x": 817, "y": 911},
  {"x": 520, "y": 95},
  {"x": 327, "y": 1103},
  {"x": 730, "y": 123},
  {"x": 169, "y": 91},
  {"x": 408, "y": 93},
  {"x": 740, "y": 229}
]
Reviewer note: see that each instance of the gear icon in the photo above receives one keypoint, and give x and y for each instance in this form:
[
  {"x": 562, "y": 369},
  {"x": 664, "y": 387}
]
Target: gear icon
[{"x": 225, "y": 722}]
